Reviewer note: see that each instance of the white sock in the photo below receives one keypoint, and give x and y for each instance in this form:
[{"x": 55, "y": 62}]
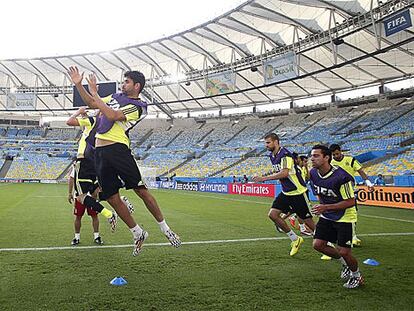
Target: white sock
[
  {"x": 163, "y": 226},
  {"x": 136, "y": 231},
  {"x": 292, "y": 235},
  {"x": 356, "y": 274},
  {"x": 302, "y": 227},
  {"x": 77, "y": 236},
  {"x": 342, "y": 260},
  {"x": 96, "y": 235}
]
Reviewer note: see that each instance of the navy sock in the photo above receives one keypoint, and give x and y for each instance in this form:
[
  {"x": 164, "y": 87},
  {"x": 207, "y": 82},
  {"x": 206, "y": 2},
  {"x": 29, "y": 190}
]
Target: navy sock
[{"x": 93, "y": 204}]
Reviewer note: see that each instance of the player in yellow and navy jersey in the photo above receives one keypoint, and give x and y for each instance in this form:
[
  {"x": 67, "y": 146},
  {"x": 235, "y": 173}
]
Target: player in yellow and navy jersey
[
  {"x": 334, "y": 188},
  {"x": 293, "y": 198},
  {"x": 119, "y": 113},
  {"x": 352, "y": 167},
  {"x": 85, "y": 179}
]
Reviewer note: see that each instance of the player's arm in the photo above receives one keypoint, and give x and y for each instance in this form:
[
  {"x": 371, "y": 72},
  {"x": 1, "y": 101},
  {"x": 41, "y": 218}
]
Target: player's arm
[
  {"x": 70, "y": 189},
  {"x": 284, "y": 173},
  {"x": 348, "y": 199},
  {"x": 321, "y": 208},
  {"x": 108, "y": 112},
  {"x": 286, "y": 164},
  {"x": 358, "y": 168},
  {"x": 77, "y": 78},
  {"x": 365, "y": 178},
  {"x": 73, "y": 121}
]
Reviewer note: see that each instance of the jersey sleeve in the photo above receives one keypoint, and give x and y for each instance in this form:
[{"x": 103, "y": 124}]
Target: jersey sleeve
[
  {"x": 286, "y": 162},
  {"x": 347, "y": 191},
  {"x": 106, "y": 99},
  {"x": 86, "y": 122},
  {"x": 131, "y": 112},
  {"x": 355, "y": 164}
]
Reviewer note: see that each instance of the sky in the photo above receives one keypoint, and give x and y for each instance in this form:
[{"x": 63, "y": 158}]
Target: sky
[{"x": 42, "y": 28}]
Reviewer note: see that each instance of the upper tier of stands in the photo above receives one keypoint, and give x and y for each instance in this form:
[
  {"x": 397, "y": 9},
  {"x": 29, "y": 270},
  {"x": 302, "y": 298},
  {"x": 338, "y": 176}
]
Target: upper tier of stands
[{"x": 229, "y": 146}]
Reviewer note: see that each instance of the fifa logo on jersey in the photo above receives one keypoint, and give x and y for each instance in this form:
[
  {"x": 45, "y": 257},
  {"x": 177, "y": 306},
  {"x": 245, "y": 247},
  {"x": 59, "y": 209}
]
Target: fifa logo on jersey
[
  {"x": 114, "y": 104},
  {"x": 324, "y": 191},
  {"x": 277, "y": 167}
]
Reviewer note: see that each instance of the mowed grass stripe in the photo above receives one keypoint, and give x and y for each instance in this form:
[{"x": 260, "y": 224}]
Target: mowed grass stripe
[{"x": 385, "y": 234}]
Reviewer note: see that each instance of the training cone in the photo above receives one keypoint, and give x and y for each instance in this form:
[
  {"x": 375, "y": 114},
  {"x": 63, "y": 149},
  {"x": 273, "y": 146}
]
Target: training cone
[
  {"x": 118, "y": 281},
  {"x": 371, "y": 262}
]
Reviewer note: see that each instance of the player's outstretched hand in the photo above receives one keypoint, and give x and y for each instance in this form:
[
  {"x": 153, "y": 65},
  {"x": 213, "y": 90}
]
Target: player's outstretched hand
[
  {"x": 93, "y": 87},
  {"x": 82, "y": 110},
  {"x": 74, "y": 75},
  {"x": 257, "y": 179}
]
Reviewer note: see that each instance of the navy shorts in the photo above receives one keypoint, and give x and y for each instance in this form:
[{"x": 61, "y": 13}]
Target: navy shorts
[
  {"x": 334, "y": 232},
  {"x": 298, "y": 204},
  {"x": 116, "y": 168},
  {"x": 85, "y": 177}
]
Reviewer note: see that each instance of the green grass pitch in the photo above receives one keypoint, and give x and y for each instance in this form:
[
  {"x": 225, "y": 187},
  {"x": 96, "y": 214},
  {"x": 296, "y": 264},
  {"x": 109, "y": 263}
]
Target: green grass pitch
[{"x": 238, "y": 275}]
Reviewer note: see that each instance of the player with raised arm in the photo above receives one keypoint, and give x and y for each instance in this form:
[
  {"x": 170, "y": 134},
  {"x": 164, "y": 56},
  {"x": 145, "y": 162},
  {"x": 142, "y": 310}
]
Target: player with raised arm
[{"x": 119, "y": 113}]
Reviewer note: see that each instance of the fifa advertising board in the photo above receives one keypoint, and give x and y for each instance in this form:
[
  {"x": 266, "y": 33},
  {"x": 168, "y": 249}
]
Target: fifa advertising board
[
  {"x": 257, "y": 190},
  {"x": 398, "y": 197}
]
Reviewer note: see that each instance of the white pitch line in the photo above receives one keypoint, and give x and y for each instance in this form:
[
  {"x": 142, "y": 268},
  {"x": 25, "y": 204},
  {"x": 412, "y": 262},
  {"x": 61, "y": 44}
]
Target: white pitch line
[
  {"x": 387, "y": 218},
  {"x": 184, "y": 243}
]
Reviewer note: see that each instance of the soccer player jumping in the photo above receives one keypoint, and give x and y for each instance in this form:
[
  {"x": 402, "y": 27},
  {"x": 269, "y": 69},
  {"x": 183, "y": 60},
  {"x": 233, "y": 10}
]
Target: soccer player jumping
[{"x": 119, "y": 113}]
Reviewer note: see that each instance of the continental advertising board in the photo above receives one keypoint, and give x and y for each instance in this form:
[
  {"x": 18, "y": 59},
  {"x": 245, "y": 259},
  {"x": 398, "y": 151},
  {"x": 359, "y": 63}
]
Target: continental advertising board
[{"x": 399, "y": 197}]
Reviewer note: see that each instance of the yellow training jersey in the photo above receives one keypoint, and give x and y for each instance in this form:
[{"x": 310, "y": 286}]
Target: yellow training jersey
[
  {"x": 349, "y": 164},
  {"x": 117, "y": 131},
  {"x": 87, "y": 124}
]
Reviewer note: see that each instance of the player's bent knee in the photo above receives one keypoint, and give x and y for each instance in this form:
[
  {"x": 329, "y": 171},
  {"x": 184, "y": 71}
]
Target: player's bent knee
[
  {"x": 344, "y": 251},
  {"x": 318, "y": 245},
  {"x": 274, "y": 213},
  {"x": 114, "y": 198}
]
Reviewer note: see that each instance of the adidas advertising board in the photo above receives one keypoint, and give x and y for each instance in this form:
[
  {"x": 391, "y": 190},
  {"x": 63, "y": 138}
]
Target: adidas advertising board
[{"x": 188, "y": 186}]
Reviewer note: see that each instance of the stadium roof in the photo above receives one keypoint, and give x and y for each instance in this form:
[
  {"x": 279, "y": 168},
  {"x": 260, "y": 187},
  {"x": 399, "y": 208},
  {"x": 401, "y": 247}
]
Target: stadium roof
[{"x": 339, "y": 45}]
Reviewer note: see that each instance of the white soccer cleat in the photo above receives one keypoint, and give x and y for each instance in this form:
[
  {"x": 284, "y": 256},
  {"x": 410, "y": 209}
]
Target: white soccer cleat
[
  {"x": 306, "y": 232},
  {"x": 345, "y": 272},
  {"x": 113, "y": 220},
  {"x": 173, "y": 238},
  {"x": 354, "y": 282},
  {"x": 139, "y": 242},
  {"x": 128, "y": 204}
]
